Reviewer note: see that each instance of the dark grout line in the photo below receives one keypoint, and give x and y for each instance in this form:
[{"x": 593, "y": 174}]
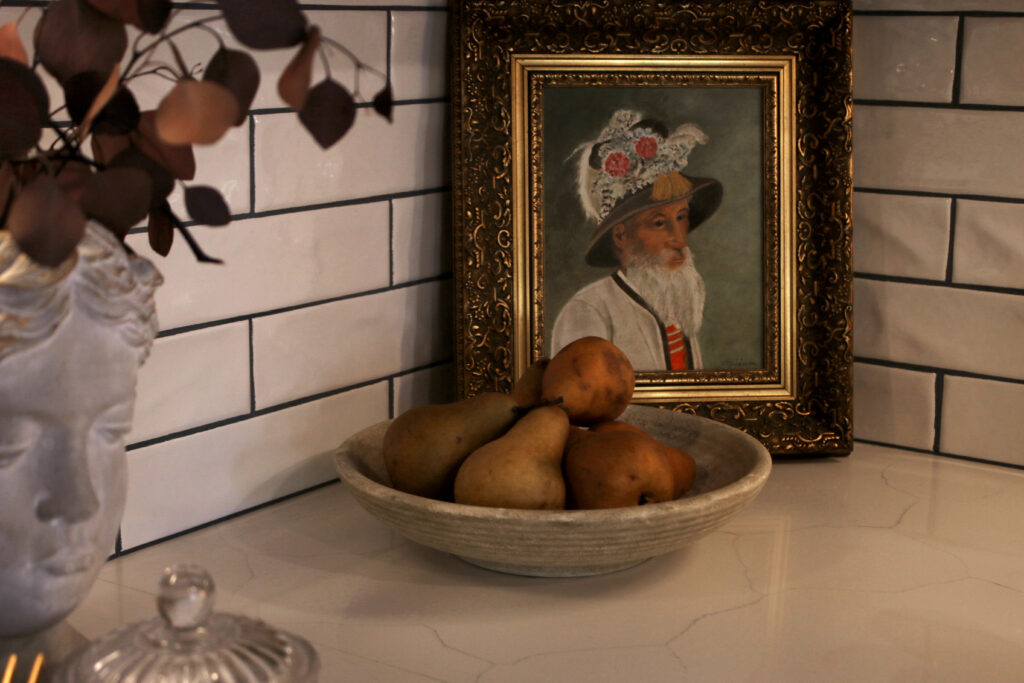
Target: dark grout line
[
  {"x": 940, "y": 382},
  {"x": 279, "y": 407},
  {"x": 950, "y": 253},
  {"x": 951, "y": 456},
  {"x": 955, "y": 104},
  {"x": 315, "y": 207},
  {"x": 233, "y": 515},
  {"x": 252, "y": 371},
  {"x": 946, "y": 284},
  {"x": 391, "y": 242},
  {"x": 295, "y": 307},
  {"x": 937, "y": 13},
  {"x": 959, "y": 63},
  {"x": 252, "y": 163},
  {"x": 940, "y": 195},
  {"x": 360, "y": 105},
  {"x": 948, "y": 372},
  {"x": 391, "y": 398}
]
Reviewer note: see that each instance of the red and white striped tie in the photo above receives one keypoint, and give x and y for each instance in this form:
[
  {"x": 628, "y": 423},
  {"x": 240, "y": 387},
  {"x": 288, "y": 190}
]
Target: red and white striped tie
[{"x": 676, "y": 347}]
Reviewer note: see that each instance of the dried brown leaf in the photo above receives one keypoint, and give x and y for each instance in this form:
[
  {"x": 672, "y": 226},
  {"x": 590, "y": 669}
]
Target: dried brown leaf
[
  {"x": 149, "y": 15},
  {"x": 293, "y": 85},
  {"x": 11, "y": 46},
  {"x": 123, "y": 10},
  {"x": 45, "y": 222},
  {"x": 100, "y": 101},
  {"x": 275, "y": 24},
  {"x": 118, "y": 198},
  {"x": 178, "y": 159},
  {"x": 205, "y": 205},
  {"x": 161, "y": 229},
  {"x": 6, "y": 188},
  {"x": 329, "y": 112},
  {"x": 195, "y": 112},
  {"x": 236, "y": 71},
  {"x": 73, "y": 178},
  {"x": 161, "y": 180},
  {"x": 383, "y": 102},
  {"x": 73, "y": 36},
  {"x": 23, "y": 111},
  {"x": 153, "y": 14},
  {"x": 106, "y": 147},
  {"x": 97, "y": 103}
]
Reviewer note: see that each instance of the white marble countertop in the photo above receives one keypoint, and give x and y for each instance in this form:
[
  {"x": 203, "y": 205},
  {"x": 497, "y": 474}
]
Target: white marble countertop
[{"x": 886, "y": 565}]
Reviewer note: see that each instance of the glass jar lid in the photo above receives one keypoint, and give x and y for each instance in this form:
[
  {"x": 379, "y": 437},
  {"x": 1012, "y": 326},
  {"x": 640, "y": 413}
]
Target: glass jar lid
[{"x": 187, "y": 643}]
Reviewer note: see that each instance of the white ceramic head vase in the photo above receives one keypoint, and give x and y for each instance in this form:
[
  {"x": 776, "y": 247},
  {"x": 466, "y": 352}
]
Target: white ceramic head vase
[{"x": 71, "y": 341}]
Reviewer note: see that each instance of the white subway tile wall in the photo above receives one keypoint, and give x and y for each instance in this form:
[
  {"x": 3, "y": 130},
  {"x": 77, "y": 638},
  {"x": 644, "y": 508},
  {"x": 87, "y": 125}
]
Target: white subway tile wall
[
  {"x": 902, "y": 235},
  {"x": 331, "y": 309},
  {"x": 939, "y": 226},
  {"x": 917, "y": 64}
]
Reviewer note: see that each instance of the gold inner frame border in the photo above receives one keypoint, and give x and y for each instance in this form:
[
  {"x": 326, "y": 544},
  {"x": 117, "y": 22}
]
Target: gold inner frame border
[{"x": 776, "y": 75}]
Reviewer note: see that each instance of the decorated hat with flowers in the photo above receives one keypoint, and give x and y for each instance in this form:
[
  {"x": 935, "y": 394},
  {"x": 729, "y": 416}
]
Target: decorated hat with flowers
[{"x": 636, "y": 164}]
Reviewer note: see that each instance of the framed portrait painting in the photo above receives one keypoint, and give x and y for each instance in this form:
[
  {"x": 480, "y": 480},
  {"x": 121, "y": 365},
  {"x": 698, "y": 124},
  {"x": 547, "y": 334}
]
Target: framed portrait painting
[{"x": 673, "y": 177}]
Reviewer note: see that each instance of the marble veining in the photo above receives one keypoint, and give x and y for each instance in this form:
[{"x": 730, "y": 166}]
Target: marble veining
[{"x": 887, "y": 565}]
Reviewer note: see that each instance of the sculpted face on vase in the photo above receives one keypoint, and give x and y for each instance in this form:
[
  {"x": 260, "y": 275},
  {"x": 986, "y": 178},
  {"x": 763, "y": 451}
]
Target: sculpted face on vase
[{"x": 71, "y": 341}]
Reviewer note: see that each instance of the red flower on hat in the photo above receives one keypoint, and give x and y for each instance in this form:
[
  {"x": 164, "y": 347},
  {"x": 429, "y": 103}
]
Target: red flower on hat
[
  {"x": 616, "y": 164},
  {"x": 646, "y": 147}
]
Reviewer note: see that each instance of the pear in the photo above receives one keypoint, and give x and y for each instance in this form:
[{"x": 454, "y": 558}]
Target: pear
[
  {"x": 522, "y": 469},
  {"x": 424, "y": 446},
  {"x": 592, "y": 378},
  {"x": 617, "y": 468},
  {"x": 682, "y": 464},
  {"x": 526, "y": 390}
]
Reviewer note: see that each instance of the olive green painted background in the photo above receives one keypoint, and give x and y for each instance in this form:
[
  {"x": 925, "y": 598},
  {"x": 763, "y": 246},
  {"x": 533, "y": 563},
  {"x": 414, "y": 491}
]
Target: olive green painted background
[{"x": 727, "y": 248}]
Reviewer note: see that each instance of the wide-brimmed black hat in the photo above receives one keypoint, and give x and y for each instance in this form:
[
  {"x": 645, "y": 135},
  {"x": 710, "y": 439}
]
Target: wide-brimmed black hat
[
  {"x": 705, "y": 195},
  {"x": 635, "y": 164}
]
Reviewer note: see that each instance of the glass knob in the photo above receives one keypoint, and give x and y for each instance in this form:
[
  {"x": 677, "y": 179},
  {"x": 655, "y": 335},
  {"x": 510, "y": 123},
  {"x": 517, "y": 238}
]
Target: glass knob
[{"x": 185, "y": 596}]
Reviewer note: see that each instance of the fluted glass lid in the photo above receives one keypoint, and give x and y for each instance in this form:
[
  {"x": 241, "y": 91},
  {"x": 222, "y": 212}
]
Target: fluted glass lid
[{"x": 187, "y": 643}]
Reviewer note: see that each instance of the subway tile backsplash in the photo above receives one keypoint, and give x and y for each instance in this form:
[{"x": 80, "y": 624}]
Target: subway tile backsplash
[
  {"x": 314, "y": 349},
  {"x": 904, "y": 58},
  {"x": 944, "y": 150},
  {"x": 378, "y": 159},
  {"x": 188, "y": 481},
  {"x": 895, "y": 406},
  {"x": 901, "y": 235},
  {"x": 332, "y": 307},
  {"x": 989, "y": 244},
  {"x": 993, "y": 61},
  {"x": 930, "y": 325},
  {"x": 192, "y": 379},
  {"x": 939, "y": 226},
  {"x": 332, "y": 310}
]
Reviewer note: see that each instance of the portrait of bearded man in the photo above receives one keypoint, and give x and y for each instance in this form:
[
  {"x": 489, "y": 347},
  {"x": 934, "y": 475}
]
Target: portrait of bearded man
[{"x": 630, "y": 182}]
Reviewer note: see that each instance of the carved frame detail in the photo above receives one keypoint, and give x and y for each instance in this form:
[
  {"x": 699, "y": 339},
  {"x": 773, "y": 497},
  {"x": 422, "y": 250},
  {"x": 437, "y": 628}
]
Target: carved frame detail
[{"x": 505, "y": 54}]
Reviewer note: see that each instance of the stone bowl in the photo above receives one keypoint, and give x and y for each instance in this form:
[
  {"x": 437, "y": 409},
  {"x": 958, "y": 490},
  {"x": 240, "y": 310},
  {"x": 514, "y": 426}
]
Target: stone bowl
[{"x": 732, "y": 467}]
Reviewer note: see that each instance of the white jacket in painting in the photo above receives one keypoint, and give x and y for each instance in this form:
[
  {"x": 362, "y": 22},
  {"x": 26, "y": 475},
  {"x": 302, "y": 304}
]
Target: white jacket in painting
[{"x": 609, "y": 308}]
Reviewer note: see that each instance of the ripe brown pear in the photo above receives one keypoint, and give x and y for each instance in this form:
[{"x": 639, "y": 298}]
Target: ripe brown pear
[
  {"x": 527, "y": 389},
  {"x": 683, "y": 466},
  {"x": 522, "y": 469},
  {"x": 592, "y": 378},
  {"x": 617, "y": 468},
  {"x": 424, "y": 446}
]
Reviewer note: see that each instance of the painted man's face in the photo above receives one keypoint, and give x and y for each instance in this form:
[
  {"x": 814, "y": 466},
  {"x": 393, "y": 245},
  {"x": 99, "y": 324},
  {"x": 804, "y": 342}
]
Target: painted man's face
[{"x": 660, "y": 231}]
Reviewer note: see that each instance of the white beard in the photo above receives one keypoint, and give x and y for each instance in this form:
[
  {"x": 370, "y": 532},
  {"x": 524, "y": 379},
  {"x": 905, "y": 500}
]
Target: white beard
[{"x": 676, "y": 296}]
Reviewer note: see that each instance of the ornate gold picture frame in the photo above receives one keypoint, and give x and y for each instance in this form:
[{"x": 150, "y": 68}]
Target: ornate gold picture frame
[{"x": 564, "y": 112}]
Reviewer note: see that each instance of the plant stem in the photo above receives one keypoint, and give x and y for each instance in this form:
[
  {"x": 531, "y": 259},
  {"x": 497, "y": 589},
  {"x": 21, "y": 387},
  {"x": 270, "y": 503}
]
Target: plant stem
[{"x": 138, "y": 54}]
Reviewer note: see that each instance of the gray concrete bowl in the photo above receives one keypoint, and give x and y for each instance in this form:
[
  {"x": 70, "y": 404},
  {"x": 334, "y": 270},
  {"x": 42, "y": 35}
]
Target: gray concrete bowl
[{"x": 732, "y": 467}]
